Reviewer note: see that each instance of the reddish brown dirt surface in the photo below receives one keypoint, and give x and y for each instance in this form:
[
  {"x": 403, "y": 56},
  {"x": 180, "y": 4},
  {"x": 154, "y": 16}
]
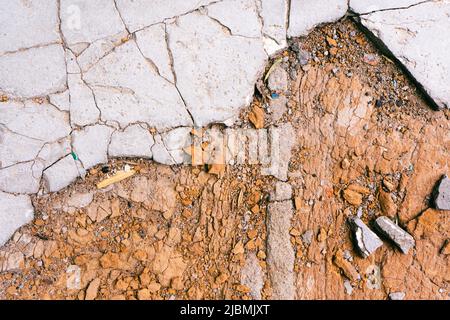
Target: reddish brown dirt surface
[{"x": 181, "y": 232}]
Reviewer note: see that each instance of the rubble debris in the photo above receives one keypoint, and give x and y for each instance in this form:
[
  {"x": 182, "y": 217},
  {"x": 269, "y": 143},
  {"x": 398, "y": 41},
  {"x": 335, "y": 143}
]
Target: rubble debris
[
  {"x": 347, "y": 268},
  {"x": 400, "y": 237},
  {"x": 366, "y": 241},
  {"x": 441, "y": 195},
  {"x": 256, "y": 117},
  {"x": 388, "y": 206},
  {"x": 397, "y": 296},
  {"x": 445, "y": 250}
]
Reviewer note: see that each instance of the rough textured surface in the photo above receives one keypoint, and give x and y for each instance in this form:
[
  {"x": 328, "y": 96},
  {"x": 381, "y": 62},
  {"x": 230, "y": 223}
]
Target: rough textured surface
[
  {"x": 417, "y": 36},
  {"x": 280, "y": 254},
  {"x": 365, "y": 239},
  {"x": 396, "y": 234},
  {"x": 15, "y": 211},
  {"x": 442, "y": 194}
]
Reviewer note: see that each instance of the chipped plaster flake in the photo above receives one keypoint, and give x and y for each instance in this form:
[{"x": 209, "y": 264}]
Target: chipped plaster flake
[
  {"x": 83, "y": 110},
  {"x": 61, "y": 174},
  {"x": 134, "y": 141},
  {"x": 128, "y": 90},
  {"x": 306, "y": 14},
  {"x": 61, "y": 100},
  {"x": 15, "y": 211},
  {"x": 33, "y": 72},
  {"x": 26, "y": 24},
  {"x": 90, "y": 144},
  {"x": 366, "y": 6},
  {"x": 239, "y": 16},
  {"x": 53, "y": 151},
  {"x": 153, "y": 45},
  {"x": 216, "y": 72},
  {"x": 89, "y": 21},
  {"x": 418, "y": 37},
  {"x": 22, "y": 178},
  {"x": 139, "y": 14}
]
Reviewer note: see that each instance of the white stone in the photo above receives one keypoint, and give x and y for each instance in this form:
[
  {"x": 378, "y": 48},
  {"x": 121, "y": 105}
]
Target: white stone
[
  {"x": 15, "y": 211},
  {"x": 139, "y": 14},
  {"x": 91, "y": 145},
  {"x": 88, "y": 21},
  {"x": 61, "y": 174},
  {"x": 306, "y": 14},
  {"x": 239, "y": 16},
  {"x": 27, "y": 24},
  {"x": 418, "y": 37},
  {"x": 33, "y": 72},
  {"x": 83, "y": 110},
  {"x": 128, "y": 90},
  {"x": 169, "y": 147},
  {"x": 134, "y": 141},
  {"x": 274, "y": 15},
  {"x": 153, "y": 45},
  {"x": 22, "y": 177},
  {"x": 216, "y": 72}
]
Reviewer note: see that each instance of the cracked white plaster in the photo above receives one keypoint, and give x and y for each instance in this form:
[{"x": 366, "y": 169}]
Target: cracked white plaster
[
  {"x": 34, "y": 72},
  {"x": 139, "y": 14},
  {"x": 15, "y": 211},
  {"x": 83, "y": 110},
  {"x": 135, "y": 141},
  {"x": 274, "y": 15},
  {"x": 216, "y": 71},
  {"x": 62, "y": 173},
  {"x": 169, "y": 147},
  {"x": 27, "y": 24},
  {"x": 367, "y": 6}
]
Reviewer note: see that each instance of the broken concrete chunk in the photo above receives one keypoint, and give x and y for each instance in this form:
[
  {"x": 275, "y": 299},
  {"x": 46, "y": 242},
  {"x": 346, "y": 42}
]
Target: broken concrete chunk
[
  {"x": 15, "y": 211},
  {"x": 134, "y": 141},
  {"x": 62, "y": 173},
  {"x": 441, "y": 195},
  {"x": 274, "y": 16},
  {"x": 365, "y": 239},
  {"x": 91, "y": 145},
  {"x": 397, "y": 296},
  {"x": 392, "y": 231}
]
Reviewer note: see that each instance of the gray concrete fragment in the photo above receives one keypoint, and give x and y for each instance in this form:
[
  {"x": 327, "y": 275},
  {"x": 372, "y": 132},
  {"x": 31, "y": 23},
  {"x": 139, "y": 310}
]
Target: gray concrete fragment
[
  {"x": 366, "y": 241},
  {"x": 61, "y": 174},
  {"x": 418, "y": 37},
  {"x": 280, "y": 254},
  {"x": 441, "y": 194},
  {"x": 169, "y": 147},
  {"x": 27, "y": 24},
  {"x": 283, "y": 191},
  {"x": 306, "y": 14},
  {"x": 134, "y": 141},
  {"x": 400, "y": 237},
  {"x": 216, "y": 71},
  {"x": 91, "y": 145},
  {"x": 34, "y": 72},
  {"x": 252, "y": 276},
  {"x": 397, "y": 296},
  {"x": 15, "y": 211}
]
